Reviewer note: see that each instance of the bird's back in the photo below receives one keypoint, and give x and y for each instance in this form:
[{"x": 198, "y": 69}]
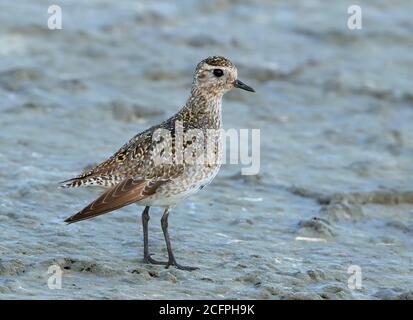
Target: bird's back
[{"x": 138, "y": 157}]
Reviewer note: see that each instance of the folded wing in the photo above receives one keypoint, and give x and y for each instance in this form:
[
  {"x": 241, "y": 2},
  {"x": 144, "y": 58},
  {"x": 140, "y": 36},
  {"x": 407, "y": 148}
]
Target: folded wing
[{"x": 126, "y": 192}]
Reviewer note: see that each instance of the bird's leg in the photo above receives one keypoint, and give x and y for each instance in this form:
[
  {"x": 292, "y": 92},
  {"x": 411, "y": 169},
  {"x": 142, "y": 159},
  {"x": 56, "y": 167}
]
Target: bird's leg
[
  {"x": 146, "y": 255},
  {"x": 171, "y": 258}
]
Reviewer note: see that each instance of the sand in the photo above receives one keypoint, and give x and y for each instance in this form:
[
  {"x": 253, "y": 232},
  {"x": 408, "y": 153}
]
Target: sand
[{"x": 334, "y": 190}]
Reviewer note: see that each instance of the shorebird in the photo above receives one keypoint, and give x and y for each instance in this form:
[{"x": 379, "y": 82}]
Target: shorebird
[{"x": 150, "y": 172}]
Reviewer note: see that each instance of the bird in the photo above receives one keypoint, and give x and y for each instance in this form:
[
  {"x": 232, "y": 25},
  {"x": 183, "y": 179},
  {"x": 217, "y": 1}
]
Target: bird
[{"x": 161, "y": 166}]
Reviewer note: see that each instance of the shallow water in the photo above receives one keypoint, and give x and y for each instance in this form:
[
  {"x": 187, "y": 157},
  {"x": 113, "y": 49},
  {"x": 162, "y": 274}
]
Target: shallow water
[{"x": 335, "y": 111}]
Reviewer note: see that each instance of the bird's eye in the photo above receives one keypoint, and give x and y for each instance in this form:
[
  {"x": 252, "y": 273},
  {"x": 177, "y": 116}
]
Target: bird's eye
[{"x": 218, "y": 72}]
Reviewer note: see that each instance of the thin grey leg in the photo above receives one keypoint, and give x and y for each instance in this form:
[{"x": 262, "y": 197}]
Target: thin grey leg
[
  {"x": 171, "y": 258},
  {"x": 146, "y": 255}
]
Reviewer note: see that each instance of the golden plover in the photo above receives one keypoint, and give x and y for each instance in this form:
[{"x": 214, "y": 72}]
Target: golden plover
[{"x": 152, "y": 170}]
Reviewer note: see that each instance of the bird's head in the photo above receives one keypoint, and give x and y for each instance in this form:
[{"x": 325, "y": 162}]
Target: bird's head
[{"x": 217, "y": 75}]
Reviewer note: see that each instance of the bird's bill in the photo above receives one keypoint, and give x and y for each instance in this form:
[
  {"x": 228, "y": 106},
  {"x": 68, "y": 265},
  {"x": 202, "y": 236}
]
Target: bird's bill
[{"x": 242, "y": 85}]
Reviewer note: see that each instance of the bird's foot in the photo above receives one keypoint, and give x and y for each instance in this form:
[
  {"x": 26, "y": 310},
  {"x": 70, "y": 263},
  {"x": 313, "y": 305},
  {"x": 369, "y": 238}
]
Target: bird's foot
[
  {"x": 148, "y": 259},
  {"x": 179, "y": 266}
]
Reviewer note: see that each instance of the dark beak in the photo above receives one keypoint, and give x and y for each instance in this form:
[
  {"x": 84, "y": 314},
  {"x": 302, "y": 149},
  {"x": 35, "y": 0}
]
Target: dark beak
[{"x": 242, "y": 85}]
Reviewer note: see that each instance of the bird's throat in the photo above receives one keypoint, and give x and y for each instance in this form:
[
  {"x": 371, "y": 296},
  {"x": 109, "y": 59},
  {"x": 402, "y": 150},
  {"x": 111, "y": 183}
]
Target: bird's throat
[{"x": 204, "y": 109}]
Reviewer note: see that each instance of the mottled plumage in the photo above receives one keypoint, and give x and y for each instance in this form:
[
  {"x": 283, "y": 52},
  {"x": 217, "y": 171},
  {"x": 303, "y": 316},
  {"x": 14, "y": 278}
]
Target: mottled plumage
[{"x": 147, "y": 170}]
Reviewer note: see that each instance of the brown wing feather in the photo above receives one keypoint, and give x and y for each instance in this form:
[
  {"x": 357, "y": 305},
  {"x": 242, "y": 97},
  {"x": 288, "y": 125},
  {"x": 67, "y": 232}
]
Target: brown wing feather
[
  {"x": 132, "y": 155},
  {"x": 123, "y": 194}
]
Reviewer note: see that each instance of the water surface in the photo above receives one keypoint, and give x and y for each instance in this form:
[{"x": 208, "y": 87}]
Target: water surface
[{"x": 334, "y": 108}]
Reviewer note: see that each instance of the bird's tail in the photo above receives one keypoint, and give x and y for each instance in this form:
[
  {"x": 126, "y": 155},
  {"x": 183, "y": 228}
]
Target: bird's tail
[
  {"x": 84, "y": 181},
  {"x": 71, "y": 183}
]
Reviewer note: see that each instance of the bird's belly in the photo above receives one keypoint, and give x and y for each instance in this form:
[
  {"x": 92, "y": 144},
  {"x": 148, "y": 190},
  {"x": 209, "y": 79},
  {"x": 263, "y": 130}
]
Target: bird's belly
[{"x": 174, "y": 191}]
